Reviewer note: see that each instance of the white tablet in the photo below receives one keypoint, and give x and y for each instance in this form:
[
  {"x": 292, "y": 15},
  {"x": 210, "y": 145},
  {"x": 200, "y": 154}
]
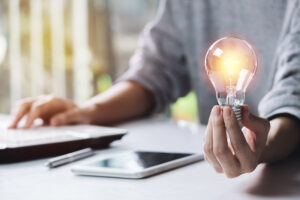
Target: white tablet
[{"x": 136, "y": 164}]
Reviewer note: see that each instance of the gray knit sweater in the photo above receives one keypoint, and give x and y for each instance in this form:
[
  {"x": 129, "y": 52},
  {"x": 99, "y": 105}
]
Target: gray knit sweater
[{"x": 170, "y": 59}]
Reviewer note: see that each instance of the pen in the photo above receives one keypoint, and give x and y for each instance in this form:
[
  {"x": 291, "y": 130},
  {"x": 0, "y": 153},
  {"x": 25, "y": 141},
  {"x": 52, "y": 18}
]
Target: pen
[{"x": 70, "y": 157}]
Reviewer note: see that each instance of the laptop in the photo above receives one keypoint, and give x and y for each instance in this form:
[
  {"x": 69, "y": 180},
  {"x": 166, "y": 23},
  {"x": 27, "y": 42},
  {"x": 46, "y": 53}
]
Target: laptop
[{"x": 46, "y": 141}]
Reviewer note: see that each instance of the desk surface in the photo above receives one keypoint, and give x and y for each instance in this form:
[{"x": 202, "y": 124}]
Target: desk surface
[{"x": 32, "y": 180}]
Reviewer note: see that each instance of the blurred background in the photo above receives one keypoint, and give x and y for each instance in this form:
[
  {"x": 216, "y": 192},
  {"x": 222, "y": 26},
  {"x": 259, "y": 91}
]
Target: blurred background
[{"x": 72, "y": 48}]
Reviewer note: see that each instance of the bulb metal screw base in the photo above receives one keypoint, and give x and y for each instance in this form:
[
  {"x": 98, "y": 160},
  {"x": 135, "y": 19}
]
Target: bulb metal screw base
[{"x": 238, "y": 112}]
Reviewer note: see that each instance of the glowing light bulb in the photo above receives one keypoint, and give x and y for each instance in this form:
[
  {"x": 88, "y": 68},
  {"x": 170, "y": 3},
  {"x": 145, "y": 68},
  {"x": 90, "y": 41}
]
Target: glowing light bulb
[{"x": 231, "y": 63}]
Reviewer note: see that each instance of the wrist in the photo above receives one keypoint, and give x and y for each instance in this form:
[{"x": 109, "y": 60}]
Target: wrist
[
  {"x": 263, "y": 158},
  {"x": 282, "y": 139},
  {"x": 89, "y": 112}
]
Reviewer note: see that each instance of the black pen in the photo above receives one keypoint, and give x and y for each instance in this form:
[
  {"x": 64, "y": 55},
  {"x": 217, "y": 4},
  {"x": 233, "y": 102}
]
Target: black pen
[{"x": 70, "y": 157}]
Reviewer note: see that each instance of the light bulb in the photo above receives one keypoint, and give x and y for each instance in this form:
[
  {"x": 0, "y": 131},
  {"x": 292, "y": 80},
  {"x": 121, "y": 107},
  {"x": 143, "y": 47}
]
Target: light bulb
[{"x": 231, "y": 63}]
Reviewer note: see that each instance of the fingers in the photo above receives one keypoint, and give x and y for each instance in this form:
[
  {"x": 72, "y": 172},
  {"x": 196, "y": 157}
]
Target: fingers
[
  {"x": 73, "y": 116},
  {"x": 221, "y": 150},
  {"x": 43, "y": 107},
  {"x": 256, "y": 124},
  {"x": 38, "y": 110},
  {"x": 255, "y": 130},
  {"x": 208, "y": 148},
  {"x": 19, "y": 111},
  {"x": 238, "y": 141},
  {"x": 242, "y": 155}
]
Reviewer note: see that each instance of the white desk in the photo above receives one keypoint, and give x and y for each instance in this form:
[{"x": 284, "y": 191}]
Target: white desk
[{"x": 32, "y": 180}]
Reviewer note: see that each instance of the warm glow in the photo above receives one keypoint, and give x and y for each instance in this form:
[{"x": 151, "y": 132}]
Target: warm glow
[{"x": 230, "y": 63}]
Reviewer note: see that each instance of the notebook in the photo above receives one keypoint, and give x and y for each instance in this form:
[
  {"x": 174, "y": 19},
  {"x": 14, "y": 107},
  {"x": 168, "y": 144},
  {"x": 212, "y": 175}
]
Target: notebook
[{"x": 46, "y": 141}]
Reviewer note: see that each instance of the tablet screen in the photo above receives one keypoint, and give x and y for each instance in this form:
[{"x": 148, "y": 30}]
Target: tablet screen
[{"x": 138, "y": 160}]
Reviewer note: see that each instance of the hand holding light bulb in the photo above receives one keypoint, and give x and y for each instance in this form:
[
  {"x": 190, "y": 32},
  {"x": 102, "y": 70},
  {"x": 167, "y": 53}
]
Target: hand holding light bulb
[{"x": 230, "y": 64}]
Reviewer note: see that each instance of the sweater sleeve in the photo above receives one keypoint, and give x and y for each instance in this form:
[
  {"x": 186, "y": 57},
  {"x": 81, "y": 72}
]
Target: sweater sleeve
[
  {"x": 159, "y": 64},
  {"x": 284, "y": 97}
]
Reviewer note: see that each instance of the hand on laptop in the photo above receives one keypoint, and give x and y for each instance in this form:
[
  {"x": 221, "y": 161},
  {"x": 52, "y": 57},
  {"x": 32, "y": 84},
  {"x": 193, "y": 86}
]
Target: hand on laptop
[
  {"x": 123, "y": 101},
  {"x": 52, "y": 110},
  {"x": 240, "y": 154}
]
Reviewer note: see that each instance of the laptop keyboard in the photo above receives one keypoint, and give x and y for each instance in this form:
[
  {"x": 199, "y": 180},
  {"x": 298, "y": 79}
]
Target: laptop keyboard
[
  {"x": 42, "y": 135},
  {"x": 14, "y": 138}
]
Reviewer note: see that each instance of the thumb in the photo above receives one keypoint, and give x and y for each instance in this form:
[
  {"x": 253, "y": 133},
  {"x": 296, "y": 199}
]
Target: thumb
[
  {"x": 73, "y": 116},
  {"x": 257, "y": 124}
]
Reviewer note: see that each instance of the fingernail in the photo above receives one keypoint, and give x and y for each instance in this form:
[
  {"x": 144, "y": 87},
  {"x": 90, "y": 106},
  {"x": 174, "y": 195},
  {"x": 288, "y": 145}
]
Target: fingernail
[
  {"x": 217, "y": 111},
  {"x": 26, "y": 127},
  {"x": 10, "y": 126},
  {"x": 227, "y": 112}
]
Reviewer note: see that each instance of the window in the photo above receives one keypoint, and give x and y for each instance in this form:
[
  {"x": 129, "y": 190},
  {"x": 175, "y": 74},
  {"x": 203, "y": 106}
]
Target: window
[{"x": 71, "y": 48}]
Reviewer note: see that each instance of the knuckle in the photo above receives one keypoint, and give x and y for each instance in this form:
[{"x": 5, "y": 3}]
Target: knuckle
[
  {"x": 232, "y": 174},
  {"x": 21, "y": 103},
  {"x": 250, "y": 167},
  {"x": 39, "y": 106},
  {"x": 237, "y": 144},
  {"x": 220, "y": 151},
  {"x": 37, "y": 112},
  {"x": 218, "y": 169},
  {"x": 208, "y": 149},
  {"x": 37, "y": 109}
]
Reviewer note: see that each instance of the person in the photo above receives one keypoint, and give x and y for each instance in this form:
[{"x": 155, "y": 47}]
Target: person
[{"x": 169, "y": 63}]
